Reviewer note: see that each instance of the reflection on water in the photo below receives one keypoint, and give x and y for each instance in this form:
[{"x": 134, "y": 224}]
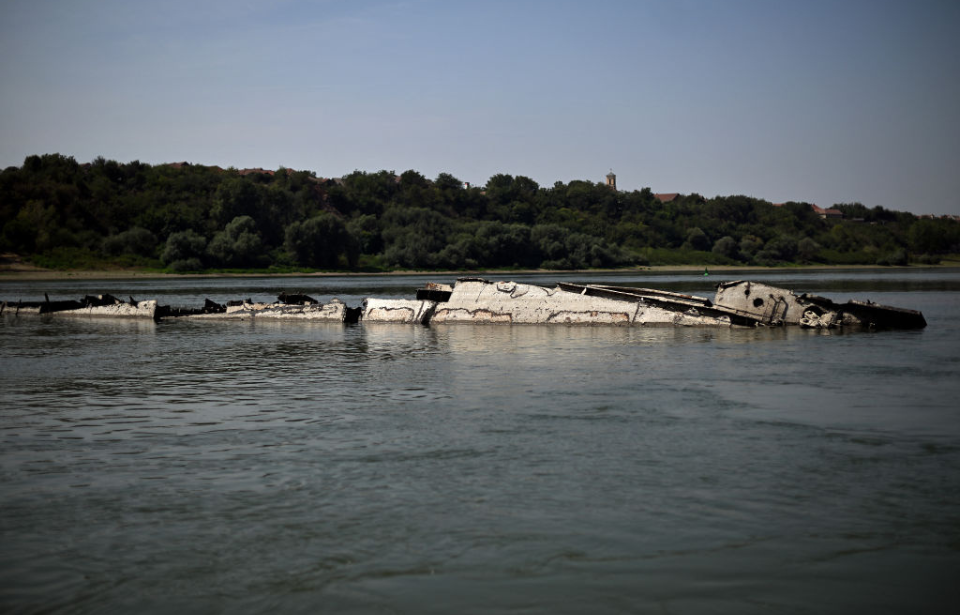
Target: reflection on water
[{"x": 253, "y": 466}]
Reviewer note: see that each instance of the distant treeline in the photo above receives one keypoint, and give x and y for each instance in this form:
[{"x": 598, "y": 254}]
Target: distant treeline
[{"x": 184, "y": 217}]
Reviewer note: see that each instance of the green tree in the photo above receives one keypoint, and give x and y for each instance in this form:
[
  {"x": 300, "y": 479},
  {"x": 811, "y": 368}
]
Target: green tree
[
  {"x": 236, "y": 197},
  {"x": 696, "y": 240},
  {"x": 807, "y": 249},
  {"x": 750, "y": 245},
  {"x": 726, "y": 246},
  {"x": 930, "y": 236},
  {"x": 366, "y": 229},
  {"x": 414, "y": 236},
  {"x": 778, "y": 250},
  {"x": 323, "y": 241},
  {"x": 184, "y": 251},
  {"x": 136, "y": 241},
  {"x": 238, "y": 244}
]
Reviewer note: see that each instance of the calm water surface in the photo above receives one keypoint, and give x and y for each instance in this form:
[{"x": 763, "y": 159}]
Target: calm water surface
[{"x": 224, "y": 467}]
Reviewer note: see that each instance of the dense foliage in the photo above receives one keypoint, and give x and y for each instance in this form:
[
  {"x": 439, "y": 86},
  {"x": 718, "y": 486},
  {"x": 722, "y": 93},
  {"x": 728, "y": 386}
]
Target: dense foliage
[{"x": 185, "y": 217}]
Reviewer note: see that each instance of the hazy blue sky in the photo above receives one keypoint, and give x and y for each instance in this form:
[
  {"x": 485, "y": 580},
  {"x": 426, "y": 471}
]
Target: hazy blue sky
[{"x": 821, "y": 101}]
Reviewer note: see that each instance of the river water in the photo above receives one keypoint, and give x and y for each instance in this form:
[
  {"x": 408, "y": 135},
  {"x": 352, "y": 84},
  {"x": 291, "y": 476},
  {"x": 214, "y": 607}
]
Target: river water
[{"x": 249, "y": 467}]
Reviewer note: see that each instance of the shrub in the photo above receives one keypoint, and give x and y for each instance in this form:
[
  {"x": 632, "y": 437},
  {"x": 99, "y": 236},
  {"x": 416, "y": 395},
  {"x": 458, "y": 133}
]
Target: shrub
[
  {"x": 137, "y": 241},
  {"x": 322, "y": 241},
  {"x": 726, "y": 246},
  {"x": 186, "y": 265},
  {"x": 184, "y": 246},
  {"x": 928, "y": 259},
  {"x": 238, "y": 244},
  {"x": 896, "y": 259}
]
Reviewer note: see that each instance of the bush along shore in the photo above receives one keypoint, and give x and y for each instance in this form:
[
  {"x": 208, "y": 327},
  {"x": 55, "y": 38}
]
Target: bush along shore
[{"x": 180, "y": 218}]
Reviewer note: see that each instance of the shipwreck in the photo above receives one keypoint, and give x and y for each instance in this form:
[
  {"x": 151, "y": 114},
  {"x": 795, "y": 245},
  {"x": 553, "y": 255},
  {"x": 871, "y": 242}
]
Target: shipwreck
[
  {"x": 90, "y": 305},
  {"x": 479, "y": 301}
]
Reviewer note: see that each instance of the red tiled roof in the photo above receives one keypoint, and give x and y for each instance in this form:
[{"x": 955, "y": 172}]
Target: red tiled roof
[
  {"x": 823, "y": 213},
  {"x": 666, "y": 197},
  {"x": 257, "y": 170}
]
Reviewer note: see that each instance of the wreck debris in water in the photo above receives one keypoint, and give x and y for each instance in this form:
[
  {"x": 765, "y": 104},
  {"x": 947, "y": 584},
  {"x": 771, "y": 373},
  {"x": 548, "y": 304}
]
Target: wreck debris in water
[
  {"x": 335, "y": 311},
  {"x": 479, "y": 301},
  {"x": 90, "y": 305},
  {"x": 770, "y": 305}
]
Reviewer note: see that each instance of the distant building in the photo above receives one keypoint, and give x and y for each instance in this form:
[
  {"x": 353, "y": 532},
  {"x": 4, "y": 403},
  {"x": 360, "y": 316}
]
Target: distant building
[
  {"x": 666, "y": 197},
  {"x": 953, "y": 217},
  {"x": 824, "y": 214},
  {"x": 611, "y": 180},
  {"x": 835, "y": 214},
  {"x": 257, "y": 171}
]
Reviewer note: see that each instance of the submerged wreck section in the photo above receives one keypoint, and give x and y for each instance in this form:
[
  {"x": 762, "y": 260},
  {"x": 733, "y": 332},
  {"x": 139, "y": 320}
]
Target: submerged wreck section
[
  {"x": 479, "y": 301},
  {"x": 335, "y": 311},
  {"x": 90, "y": 305},
  {"x": 772, "y": 306},
  {"x": 402, "y": 311}
]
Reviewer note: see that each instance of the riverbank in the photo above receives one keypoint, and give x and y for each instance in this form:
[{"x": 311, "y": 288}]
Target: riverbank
[
  {"x": 14, "y": 268},
  {"x": 127, "y": 274}
]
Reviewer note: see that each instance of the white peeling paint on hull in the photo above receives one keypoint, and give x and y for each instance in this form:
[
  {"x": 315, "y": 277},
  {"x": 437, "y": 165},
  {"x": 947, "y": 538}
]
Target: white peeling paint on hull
[
  {"x": 401, "y": 311},
  {"x": 334, "y": 311},
  {"x": 143, "y": 309},
  {"x": 654, "y": 316},
  {"x": 478, "y": 301},
  {"x": 768, "y": 304}
]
